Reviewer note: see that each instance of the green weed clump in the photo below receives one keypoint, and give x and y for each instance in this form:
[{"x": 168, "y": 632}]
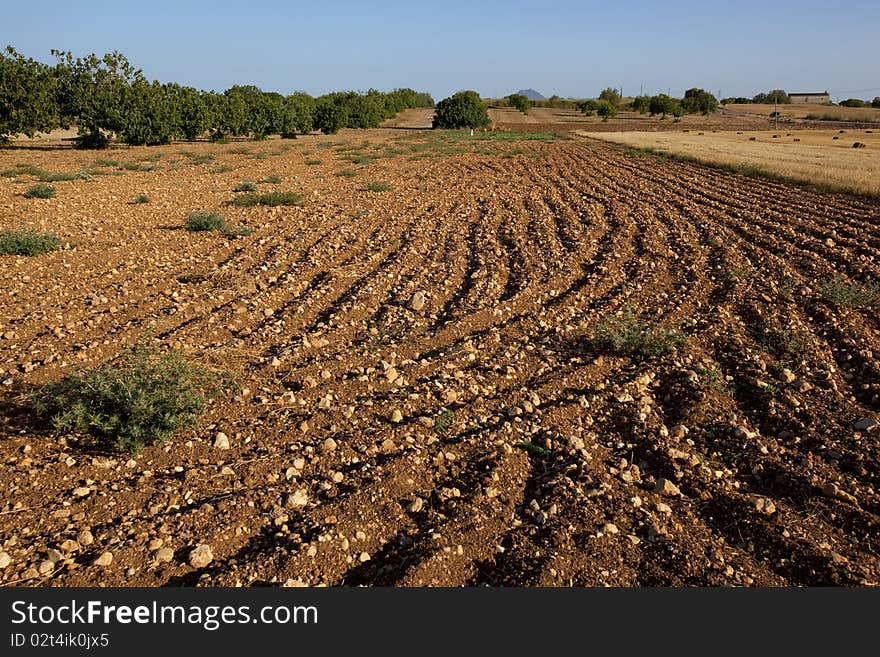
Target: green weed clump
[
  {"x": 853, "y": 295},
  {"x": 144, "y": 399},
  {"x": 269, "y": 198},
  {"x": 40, "y": 191},
  {"x": 626, "y": 336},
  {"x": 27, "y": 243},
  {"x": 205, "y": 221}
]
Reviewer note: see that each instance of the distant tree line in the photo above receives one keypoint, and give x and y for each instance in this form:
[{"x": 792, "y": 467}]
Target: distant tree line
[
  {"x": 781, "y": 97},
  {"x": 107, "y": 97}
]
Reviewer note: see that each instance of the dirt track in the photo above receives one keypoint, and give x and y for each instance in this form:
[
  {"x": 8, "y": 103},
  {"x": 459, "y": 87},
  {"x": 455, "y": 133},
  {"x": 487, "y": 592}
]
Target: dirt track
[{"x": 519, "y": 257}]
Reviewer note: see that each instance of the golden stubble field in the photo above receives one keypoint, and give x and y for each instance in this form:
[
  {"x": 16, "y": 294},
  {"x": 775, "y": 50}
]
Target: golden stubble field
[
  {"x": 447, "y": 382},
  {"x": 802, "y": 111},
  {"x": 822, "y": 157}
]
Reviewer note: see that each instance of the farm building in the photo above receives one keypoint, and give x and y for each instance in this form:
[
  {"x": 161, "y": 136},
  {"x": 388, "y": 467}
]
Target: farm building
[{"x": 818, "y": 97}]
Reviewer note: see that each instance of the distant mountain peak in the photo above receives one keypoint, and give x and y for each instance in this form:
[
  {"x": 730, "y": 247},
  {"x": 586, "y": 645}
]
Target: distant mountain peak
[{"x": 531, "y": 94}]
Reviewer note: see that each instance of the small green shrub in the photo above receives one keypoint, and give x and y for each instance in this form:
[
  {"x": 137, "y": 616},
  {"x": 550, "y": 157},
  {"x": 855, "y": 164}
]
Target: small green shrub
[
  {"x": 627, "y": 337},
  {"x": 23, "y": 170},
  {"x": 204, "y": 221},
  {"x": 144, "y": 399},
  {"x": 143, "y": 198},
  {"x": 314, "y": 162},
  {"x": 269, "y": 198},
  {"x": 40, "y": 191},
  {"x": 444, "y": 421},
  {"x": 27, "y": 243},
  {"x": 245, "y": 187},
  {"x": 377, "y": 187},
  {"x": 273, "y": 180},
  {"x": 347, "y": 173},
  {"x": 856, "y": 295},
  {"x": 48, "y": 176}
]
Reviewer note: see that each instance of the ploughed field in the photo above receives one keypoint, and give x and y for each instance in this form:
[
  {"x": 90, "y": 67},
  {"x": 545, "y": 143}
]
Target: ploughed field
[{"x": 487, "y": 436}]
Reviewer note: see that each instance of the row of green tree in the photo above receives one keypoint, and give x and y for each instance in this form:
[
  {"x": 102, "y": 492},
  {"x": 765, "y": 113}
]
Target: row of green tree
[
  {"x": 858, "y": 102},
  {"x": 107, "y": 97}
]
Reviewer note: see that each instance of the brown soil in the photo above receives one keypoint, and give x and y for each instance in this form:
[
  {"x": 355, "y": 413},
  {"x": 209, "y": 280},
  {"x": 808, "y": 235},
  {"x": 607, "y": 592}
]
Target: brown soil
[
  {"x": 520, "y": 251},
  {"x": 563, "y": 120}
]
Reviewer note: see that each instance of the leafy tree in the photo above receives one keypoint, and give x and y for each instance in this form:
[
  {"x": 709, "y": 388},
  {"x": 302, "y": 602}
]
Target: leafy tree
[
  {"x": 854, "y": 102},
  {"x": 774, "y": 96},
  {"x": 699, "y": 100},
  {"x": 190, "y": 112},
  {"x": 241, "y": 106},
  {"x": 149, "y": 116},
  {"x": 520, "y": 102},
  {"x": 329, "y": 117},
  {"x": 739, "y": 100},
  {"x": 661, "y": 104},
  {"x": 876, "y": 102},
  {"x": 640, "y": 104},
  {"x": 588, "y": 107},
  {"x": 92, "y": 92},
  {"x": 297, "y": 114},
  {"x": 610, "y": 95},
  {"x": 27, "y": 96},
  {"x": 606, "y": 110},
  {"x": 464, "y": 109}
]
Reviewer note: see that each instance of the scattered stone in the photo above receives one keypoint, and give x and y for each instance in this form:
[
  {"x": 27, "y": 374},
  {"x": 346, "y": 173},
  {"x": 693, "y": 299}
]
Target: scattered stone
[
  {"x": 391, "y": 374},
  {"x": 105, "y": 559},
  {"x": 201, "y": 556},
  {"x": 221, "y": 441},
  {"x": 787, "y": 376},
  {"x": 297, "y": 499},
  {"x": 85, "y": 538},
  {"x": 82, "y": 491},
  {"x": 610, "y": 528},
  {"x": 416, "y": 301},
  {"x": 329, "y": 445},
  {"x": 666, "y": 487},
  {"x": 867, "y": 424},
  {"x": 164, "y": 555},
  {"x": 5, "y": 560},
  {"x": 363, "y": 557},
  {"x": 46, "y": 567},
  {"x": 291, "y": 583},
  {"x": 396, "y": 416},
  {"x": 415, "y": 506},
  {"x": 765, "y": 506}
]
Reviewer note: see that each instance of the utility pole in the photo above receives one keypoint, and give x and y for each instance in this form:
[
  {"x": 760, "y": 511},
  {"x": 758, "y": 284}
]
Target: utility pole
[{"x": 776, "y": 111}]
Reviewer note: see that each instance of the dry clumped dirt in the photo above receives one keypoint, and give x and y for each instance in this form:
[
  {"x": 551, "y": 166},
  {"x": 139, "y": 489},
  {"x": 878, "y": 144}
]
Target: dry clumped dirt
[{"x": 420, "y": 402}]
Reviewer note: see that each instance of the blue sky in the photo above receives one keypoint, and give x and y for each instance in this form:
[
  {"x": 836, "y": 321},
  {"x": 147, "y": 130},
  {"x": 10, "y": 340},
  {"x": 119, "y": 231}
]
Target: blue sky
[{"x": 496, "y": 48}]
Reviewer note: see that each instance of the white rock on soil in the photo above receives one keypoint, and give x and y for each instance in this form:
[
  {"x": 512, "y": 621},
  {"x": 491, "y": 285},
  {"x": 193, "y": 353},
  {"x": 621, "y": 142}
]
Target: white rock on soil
[
  {"x": 416, "y": 301},
  {"x": 201, "y": 556},
  {"x": 105, "y": 559}
]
